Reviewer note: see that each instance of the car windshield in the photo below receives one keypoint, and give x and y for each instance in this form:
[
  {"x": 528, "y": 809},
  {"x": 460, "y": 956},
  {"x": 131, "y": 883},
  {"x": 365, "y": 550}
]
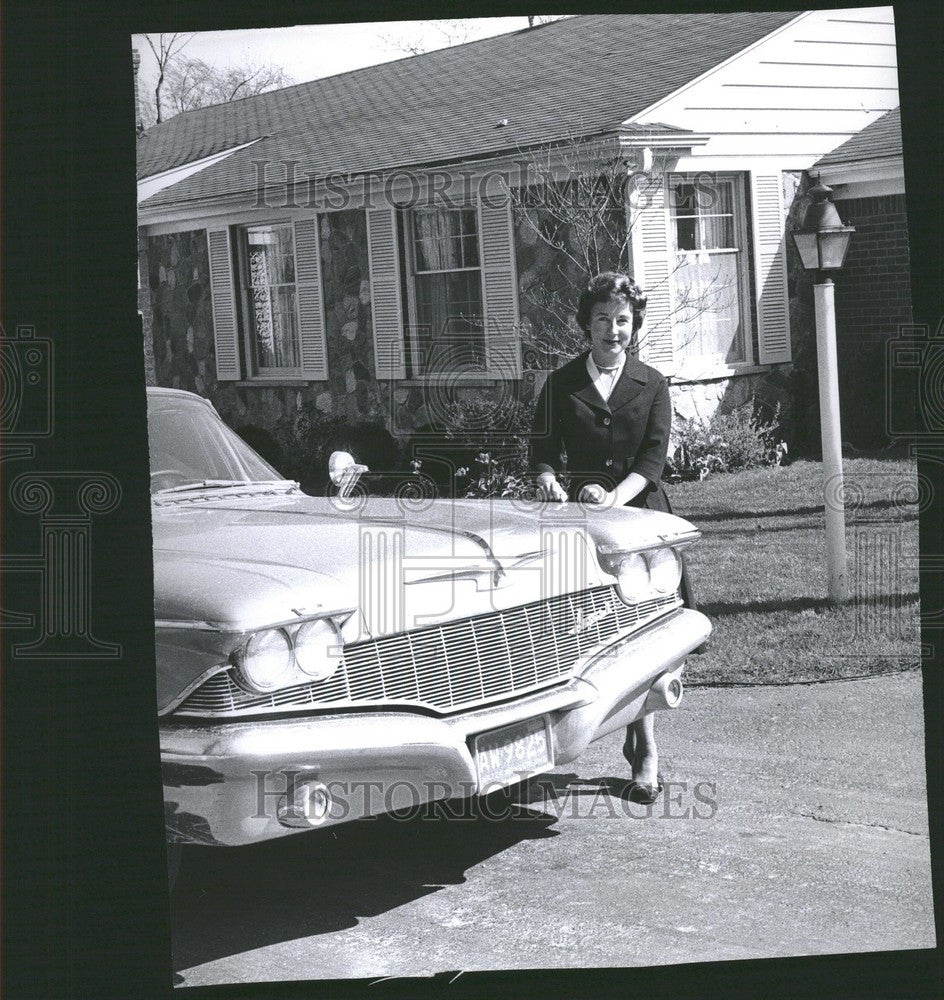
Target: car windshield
[{"x": 190, "y": 447}]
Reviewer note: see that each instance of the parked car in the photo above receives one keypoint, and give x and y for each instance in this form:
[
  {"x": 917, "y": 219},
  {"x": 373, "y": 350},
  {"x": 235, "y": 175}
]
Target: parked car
[{"x": 325, "y": 658}]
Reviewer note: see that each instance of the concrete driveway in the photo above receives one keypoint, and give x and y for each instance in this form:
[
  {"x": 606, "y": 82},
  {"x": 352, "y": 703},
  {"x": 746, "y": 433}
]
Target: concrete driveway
[{"x": 794, "y": 823}]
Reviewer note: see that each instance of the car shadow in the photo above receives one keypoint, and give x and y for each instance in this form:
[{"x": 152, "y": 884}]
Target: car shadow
[
  {"x": 234, "y": 900},
  {"x": 901, "y": 506},
  {"x": 553, "y": 791},
  {"x": 718, "y": 609}
]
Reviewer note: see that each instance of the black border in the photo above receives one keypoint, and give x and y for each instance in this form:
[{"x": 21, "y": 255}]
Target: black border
[{"x": 85, "y": 911}]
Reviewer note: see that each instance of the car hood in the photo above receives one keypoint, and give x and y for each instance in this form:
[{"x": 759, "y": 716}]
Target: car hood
[
  {"x": 246, "y": 563},
  {"x": 225, "y": 566}
]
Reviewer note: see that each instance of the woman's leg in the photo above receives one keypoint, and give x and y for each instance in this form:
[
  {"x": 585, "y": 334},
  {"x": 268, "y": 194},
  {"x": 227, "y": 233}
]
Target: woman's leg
[{"x": 640, "y": 750}]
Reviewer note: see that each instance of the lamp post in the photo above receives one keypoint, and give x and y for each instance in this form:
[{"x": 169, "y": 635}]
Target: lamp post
[{"x": 822, "y": 243}]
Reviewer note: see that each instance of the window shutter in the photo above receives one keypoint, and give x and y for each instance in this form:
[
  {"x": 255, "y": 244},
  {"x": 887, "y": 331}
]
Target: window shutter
[
  {"x": 311, "y": 321},
  {"x": 651, "y": 266},
  {"x": 500, "y": 287},
  {"x": 222, "y": 294},
  {"x": 385, "y": 304},
  {"x": 770, "y": 269}
]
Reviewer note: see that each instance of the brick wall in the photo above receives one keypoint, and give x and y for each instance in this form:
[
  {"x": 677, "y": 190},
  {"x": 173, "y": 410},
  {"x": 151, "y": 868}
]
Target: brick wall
[
  {"x": 873, "y": 298},
  {"x": 873, "y": 290}
]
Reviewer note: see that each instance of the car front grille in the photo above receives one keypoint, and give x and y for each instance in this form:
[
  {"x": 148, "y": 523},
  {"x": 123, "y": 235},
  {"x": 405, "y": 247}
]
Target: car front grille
[{"x": 456, "y": 665}]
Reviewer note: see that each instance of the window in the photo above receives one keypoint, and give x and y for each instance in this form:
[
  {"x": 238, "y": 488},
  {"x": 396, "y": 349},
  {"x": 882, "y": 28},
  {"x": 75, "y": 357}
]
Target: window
[
  {"x": 444, "y": 290},
  {"x": 269, "y": 299},
  {"x": 710, "y": 281}
]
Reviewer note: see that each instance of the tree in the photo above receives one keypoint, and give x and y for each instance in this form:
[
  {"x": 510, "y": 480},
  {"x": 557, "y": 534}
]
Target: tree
[
  {"x": 572, "y": 222},
  {"x": 184, "y": 84},
  {"x": 451, "y": 31},
  {"x": 193, "y": 83},
  {"x": 165, "y": 50}
]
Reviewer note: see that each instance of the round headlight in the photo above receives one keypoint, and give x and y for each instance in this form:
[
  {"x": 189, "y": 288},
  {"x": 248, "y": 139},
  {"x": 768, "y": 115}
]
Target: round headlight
[
  {"x": 318, "y": 649},
  {"x": 632, "y": 578},
  {"x": 665, "y": 570},
  {"x": 267, "y": 662}
]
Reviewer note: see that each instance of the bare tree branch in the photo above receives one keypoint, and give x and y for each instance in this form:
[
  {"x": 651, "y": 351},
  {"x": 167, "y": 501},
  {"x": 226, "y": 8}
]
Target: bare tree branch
[
  {"x": 189, "y": 83},
  {"x": 455, "y": 31},
  {"x": 166, "y": 49},
  {"x": 575, "y": 206}
]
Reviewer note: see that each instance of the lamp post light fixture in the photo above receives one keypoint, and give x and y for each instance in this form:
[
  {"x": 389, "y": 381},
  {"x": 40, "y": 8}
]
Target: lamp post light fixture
[{"x": 822, "y": 243}]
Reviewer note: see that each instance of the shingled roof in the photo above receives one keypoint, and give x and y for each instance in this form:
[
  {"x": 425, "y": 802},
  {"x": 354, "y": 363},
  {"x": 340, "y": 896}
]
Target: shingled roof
[
  {"x": 580, "y": 76},
  {"x": 877, "y": 141}
]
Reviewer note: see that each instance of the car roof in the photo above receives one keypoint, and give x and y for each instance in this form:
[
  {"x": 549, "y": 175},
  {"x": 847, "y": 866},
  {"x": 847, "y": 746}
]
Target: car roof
[{"x": 160, "y": 390}]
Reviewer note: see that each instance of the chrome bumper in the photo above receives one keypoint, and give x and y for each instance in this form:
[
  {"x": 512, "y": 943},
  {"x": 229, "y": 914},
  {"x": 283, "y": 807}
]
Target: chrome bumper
[{"x": 228, "y": 783}]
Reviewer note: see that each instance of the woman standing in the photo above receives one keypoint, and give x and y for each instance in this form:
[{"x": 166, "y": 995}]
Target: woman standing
[{"x": 610, "y": 415}]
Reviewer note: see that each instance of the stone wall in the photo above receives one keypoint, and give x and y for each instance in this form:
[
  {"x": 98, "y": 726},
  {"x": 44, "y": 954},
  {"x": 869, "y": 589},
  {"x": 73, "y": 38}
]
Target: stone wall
[
  {"x": 179, "y": 311},
  {"x": 181, "y": 321},
  {"x": 145, "y": 311}
]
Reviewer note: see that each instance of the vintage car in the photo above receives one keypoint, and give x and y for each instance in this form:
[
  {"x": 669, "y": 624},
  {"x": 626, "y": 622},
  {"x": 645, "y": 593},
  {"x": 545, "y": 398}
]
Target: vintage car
[{"x": 324, "y": 658}]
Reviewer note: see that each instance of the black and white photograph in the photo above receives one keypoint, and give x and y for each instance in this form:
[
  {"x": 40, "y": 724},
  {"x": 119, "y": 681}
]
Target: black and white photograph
[{"x": 533, "y": 421}]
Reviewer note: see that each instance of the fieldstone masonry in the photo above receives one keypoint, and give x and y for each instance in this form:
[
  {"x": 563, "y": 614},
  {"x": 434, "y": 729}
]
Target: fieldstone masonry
[{"x": 873, "y": 297}]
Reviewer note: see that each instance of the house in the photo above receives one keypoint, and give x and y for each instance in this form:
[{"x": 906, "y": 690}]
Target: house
[
  {"x": 371, "y": 246},
  {"x": 873, "y": 291}
]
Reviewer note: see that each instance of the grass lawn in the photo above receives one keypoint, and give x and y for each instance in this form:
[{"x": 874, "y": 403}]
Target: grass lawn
[{"x": 759, "y": 573}]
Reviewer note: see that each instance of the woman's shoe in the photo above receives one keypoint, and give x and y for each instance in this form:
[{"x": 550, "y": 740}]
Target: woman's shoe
[{"x": 639, "y": 791}]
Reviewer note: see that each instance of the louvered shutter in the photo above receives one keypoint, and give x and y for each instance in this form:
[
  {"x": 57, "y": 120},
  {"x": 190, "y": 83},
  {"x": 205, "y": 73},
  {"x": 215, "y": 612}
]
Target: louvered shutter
[
  {"x": 651, "y": 266},
  {"x": 223, "y": 297},
  {"x": 500, "y": 287},
  {"x": 770, "y": 269},
  {"x": 311, "y": 321},
  {"x": 385, "y": 303}
]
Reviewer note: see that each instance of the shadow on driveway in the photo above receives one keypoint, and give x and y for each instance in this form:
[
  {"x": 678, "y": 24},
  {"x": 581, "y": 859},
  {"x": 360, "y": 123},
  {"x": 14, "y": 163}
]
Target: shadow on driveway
[{"x": 234, "y": 900}]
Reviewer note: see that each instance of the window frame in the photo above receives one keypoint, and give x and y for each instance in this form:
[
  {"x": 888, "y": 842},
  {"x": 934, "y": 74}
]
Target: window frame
[
  {"x": 405, "y": 225},
  {"x": 244, "y": 291},
  {"x": 700, "y": 366}
]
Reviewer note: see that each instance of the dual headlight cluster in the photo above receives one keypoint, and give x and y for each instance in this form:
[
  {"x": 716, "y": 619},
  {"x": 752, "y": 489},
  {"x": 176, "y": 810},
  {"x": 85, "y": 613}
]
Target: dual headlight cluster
[
  {"x": 288, "y": 655},
  {"x": 642, "y": 575}
]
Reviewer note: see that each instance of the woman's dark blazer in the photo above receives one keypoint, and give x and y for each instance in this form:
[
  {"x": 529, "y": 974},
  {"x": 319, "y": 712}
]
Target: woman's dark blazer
[{"x": 603, "y": 441}]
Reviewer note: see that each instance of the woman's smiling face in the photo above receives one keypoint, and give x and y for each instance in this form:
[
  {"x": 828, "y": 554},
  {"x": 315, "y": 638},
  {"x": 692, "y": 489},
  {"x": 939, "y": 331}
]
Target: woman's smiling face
[{"x": 610, "y": 329}]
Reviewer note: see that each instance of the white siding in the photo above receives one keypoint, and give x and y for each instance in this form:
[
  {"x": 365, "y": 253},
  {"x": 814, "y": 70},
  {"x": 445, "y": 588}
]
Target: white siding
[{"x": 795, "y": 95}]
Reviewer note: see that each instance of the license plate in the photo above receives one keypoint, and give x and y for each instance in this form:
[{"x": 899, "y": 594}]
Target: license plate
[{"x": 513, "y": 753}]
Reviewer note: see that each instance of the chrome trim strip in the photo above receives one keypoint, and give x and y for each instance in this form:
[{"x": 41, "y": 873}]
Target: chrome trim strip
[
  {"x": 191, "y": 687},
  {"x": 673, "y": 541},
  {"x": 252, "y": 626}
]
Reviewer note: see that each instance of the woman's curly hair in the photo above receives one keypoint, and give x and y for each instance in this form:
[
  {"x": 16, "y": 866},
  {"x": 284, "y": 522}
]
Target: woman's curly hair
[{"x": 608, "y": 285}]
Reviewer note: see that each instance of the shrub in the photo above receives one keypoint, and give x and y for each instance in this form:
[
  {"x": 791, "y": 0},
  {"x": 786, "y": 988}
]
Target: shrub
[
  {"x": 741, "y": 439},
  {"x": 310, "y": 436},
  {"x": 484, "y": 448}
]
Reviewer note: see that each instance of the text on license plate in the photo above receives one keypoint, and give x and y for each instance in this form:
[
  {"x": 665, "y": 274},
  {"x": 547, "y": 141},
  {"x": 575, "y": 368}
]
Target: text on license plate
[{"x": 504, "y": 756}]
